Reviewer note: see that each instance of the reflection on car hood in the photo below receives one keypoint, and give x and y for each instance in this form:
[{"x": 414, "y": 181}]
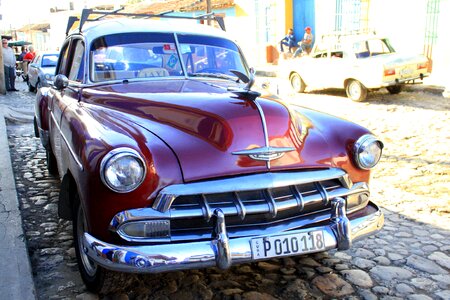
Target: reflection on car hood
[{"x": 204, "y": 125}]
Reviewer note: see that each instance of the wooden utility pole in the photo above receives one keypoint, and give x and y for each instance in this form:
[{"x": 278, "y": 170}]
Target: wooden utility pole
[
  {"x": 208, "y": 10},
  {"x": 2, "y": 74}
]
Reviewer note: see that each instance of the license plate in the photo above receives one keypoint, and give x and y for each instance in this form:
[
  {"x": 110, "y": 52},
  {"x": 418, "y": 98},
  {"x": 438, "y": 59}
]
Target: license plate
[
  {"x": 288, "y": 244},
  {"x": 406, "y": 72}
]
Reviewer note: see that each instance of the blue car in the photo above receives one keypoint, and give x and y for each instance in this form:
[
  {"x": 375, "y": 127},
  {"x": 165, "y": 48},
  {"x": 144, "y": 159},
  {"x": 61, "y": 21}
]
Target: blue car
[{"x": 42, "y": 70}]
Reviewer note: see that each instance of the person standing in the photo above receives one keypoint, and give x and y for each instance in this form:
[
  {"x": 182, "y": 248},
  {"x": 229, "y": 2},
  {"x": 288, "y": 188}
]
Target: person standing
[
  {"x": 9, "y": 66},
  {"x": 288, "y": 40},
  {"x": 27, "y": 60},
  {"x": 22, "y": 54}
]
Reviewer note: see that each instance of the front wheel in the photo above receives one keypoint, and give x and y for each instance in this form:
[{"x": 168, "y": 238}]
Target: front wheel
[
  {"x": 394, "y": 89},
  {"x": 297, "y": 83},
  {"x": 96, "y": 278},
  {"x": 356, "y": 91},
  {"x": 30, "y": 87}
]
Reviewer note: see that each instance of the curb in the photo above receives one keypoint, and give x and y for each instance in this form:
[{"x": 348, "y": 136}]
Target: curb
[{"x": 16, "y": 280}]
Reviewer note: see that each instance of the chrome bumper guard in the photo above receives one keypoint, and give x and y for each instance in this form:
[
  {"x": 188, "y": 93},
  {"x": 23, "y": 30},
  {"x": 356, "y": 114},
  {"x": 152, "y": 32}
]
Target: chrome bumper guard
[{"x": 221, "y": 251}]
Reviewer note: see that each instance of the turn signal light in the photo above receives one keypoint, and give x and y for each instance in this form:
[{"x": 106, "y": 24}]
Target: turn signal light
[
  {"x": 423, "y": 65},
  {"x": 389, "y": 72}
]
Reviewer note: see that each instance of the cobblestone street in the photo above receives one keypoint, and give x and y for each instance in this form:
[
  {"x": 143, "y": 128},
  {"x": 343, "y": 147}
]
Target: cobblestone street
[{"x": 408, "y": 259}]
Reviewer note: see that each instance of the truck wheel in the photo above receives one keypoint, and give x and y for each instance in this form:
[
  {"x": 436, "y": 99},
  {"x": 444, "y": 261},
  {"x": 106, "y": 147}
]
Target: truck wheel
[
  {"x": 96, "y": 278},
  {"x": 356, "y": 91},
  {"x": 297, "y": 83},
  {"x": 395, "y": 89}
]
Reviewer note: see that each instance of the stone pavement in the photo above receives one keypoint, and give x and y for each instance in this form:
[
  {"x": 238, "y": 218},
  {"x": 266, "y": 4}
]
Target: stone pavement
[
  {"x": 16, "y": 281},
  {"x": 408, "y": 259}
]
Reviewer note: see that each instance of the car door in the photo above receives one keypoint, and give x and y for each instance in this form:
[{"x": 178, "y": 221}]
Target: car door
[
  {"x": 71, "y": 65},
  {"x": 33, "y": 70}
]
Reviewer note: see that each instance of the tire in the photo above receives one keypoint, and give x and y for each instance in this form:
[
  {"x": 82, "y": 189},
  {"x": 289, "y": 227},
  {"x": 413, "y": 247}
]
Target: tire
[
  {"x": 297, "y": 83},
  {"x": 356, "y": 91},
  {"x": 97, "y": 279},
  {"x": 38, "y": 86},
  {"x": 30, "y": 87},
  {"x": 36, "y": 129},
  {"x": 52, "y": 165},
  {"x": 394, "y": 89}
]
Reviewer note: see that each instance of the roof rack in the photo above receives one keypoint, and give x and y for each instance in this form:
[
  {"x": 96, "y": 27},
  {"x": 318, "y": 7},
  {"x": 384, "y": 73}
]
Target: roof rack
[{"x": 87, "y": 12}]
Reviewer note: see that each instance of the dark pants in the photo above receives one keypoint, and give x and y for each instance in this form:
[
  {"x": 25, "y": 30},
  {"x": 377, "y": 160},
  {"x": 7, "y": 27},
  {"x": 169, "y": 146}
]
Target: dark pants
[{"x": 10, "y": 78}]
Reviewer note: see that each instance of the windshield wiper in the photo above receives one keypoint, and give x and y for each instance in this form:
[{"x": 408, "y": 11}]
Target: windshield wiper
[{"x": 214, "y": 75}]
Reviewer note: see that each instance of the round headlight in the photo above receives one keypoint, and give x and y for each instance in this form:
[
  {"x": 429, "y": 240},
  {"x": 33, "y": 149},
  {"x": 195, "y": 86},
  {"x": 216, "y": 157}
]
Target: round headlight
[
  {"x": 122, "y": 170},
  {"x": 367, "y": 151}
]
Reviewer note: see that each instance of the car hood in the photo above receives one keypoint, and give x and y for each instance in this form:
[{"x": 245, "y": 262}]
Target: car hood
[
  {"x": 48, "y": 70},
  {"x": 207, "y": 126}
]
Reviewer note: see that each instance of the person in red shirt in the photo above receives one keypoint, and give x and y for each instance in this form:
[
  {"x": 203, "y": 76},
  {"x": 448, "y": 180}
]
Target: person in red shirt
[
  {"x": 30, "y": 55},
  {"x": 27, "y": 60}
]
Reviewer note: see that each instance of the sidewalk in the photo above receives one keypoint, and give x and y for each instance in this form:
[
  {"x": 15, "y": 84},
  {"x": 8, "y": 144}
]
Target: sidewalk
[{"x": 16, "y": 280}]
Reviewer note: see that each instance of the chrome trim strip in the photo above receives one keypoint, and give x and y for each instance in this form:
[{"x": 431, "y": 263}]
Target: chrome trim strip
[
  {"x": 298, "y": 197},
  {"x": 264, "y": 125},
  {"x": 206, "y": 209},
  {"x": 341, "y": 224},
  {"x": 72, "y": 152},
  {"x": 273, "y": 210},
  {"x": 202, "y": 254},
  {"x": 323, "y": 192},
  {"x": 241, "y": 211},
  {"x": 220, "y": 241},
  {"x": 242, "y": 183},
  {"x": 183, "y": 67},
  {"x": 264, "y": 153}
]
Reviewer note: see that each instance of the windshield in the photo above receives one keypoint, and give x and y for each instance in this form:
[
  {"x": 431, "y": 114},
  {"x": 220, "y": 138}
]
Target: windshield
[
  {"x": 156, "y": 55},
  {"x": 372, "y": 47},
  {"x": 49, "y": 60}
]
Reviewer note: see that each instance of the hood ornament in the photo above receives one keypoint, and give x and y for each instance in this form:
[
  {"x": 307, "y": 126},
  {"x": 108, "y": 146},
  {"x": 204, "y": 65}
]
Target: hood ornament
[{"x": 264, "y": 153}]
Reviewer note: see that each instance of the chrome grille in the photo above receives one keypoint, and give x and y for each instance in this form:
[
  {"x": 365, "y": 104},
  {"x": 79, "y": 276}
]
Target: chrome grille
[
  {"x": 266, "y": 202},
  {"x": 271, "y": 202}
]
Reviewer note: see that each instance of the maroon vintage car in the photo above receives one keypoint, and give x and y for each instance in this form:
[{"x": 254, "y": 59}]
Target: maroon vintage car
[{"x": 169, "y": 159}]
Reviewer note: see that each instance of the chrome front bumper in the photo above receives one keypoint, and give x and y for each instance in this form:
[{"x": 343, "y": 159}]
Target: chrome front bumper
[{"x": 221, "y": 251}]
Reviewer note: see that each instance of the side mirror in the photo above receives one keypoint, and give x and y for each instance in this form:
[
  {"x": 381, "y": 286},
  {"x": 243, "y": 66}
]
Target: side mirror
[{"x": 61, "y": 82}]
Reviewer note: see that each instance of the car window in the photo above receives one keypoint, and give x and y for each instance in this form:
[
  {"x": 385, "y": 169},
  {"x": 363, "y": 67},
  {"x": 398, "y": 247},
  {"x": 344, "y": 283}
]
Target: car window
[
  {"x": 76, "y": 68},
  {"x": 371, "y": 47},
  {"x": 134, "y": 55},
  {"x": 64, "y": 59},
  {"x": 49, "y": 60},
  {"x": 210, "y": 55},
  {"x": 156, "y": 55}
]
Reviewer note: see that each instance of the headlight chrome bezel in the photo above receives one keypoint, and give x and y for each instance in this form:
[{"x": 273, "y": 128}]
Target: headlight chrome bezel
[
  {"x": 115, "y": 155},
  {"x": 363, "y": 143}
]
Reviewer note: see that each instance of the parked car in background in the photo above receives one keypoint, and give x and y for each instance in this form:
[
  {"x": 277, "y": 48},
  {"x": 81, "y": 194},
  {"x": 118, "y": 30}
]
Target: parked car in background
[
  {"x": 41, "y": 70},
  {"x": 170, "y": 160},
  {"x": 358, "y": 63}
]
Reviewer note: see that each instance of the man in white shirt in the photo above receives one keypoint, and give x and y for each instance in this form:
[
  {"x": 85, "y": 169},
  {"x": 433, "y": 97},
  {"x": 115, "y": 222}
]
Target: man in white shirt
[
  {"x": 9, "y": 66},
  {"x": 306, "y": 43}
]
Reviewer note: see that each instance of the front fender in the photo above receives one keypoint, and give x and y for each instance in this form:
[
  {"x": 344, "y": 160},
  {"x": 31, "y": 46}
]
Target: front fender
[{"x": 89, "y": 135}]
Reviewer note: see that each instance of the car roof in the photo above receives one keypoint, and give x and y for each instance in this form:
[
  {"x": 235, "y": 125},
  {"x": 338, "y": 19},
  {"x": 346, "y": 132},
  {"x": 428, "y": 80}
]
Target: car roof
[{"x": 93, "y": 30}]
